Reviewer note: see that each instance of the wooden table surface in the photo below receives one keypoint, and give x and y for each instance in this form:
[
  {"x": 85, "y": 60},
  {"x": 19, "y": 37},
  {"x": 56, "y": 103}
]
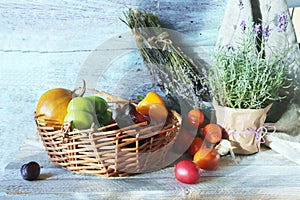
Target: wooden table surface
[
  {"x": 265, "y": 175},
  {"x": 47, "y": 45}
]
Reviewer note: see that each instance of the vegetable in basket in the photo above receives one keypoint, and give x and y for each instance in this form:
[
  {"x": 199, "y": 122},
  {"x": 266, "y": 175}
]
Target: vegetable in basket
[
  {"x": 151, "y": 109},
  {"x": 104, "y": 116},
  {"x": 154, "y": 106},
  {"x": 86, "y": 111}
]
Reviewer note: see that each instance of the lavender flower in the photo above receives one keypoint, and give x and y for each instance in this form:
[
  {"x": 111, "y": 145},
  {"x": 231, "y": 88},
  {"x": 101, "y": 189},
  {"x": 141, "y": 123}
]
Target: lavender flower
[
  {"x": 256, "y": 29},
  {"x": 251, "y": 73},
  {"x": 243, "y": 25},
  {"x": 266, "y": 32},
  {"x": 228, "y": 46},
  {"x": 283, "y": 20}
]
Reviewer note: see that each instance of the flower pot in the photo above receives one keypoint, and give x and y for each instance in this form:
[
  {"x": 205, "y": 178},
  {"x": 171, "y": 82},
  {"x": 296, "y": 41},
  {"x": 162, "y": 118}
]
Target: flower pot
[{"x": 244, "y": 127}]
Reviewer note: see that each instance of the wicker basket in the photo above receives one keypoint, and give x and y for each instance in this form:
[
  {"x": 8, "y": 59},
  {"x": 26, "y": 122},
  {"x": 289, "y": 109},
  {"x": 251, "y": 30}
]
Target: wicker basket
[{"x": 110, "y": 151}]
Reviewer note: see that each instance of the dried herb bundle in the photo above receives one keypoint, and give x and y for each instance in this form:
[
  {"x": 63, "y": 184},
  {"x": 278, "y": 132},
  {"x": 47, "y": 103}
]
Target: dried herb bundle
[{"x": 176, "y": 74}]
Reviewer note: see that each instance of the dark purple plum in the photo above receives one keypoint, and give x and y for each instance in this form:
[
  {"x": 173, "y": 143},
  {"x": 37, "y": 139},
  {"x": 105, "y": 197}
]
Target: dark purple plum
[{"x": 30, "y": 171}]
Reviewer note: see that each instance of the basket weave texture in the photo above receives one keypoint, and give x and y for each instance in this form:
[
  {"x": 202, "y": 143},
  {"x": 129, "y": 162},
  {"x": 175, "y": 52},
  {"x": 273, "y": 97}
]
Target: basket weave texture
[{"x": 111, "y": 151}]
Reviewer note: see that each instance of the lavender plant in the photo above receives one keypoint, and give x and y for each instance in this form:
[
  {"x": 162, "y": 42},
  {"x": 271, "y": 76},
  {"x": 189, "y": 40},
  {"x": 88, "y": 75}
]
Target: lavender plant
[{"x": 243, "y": 75}]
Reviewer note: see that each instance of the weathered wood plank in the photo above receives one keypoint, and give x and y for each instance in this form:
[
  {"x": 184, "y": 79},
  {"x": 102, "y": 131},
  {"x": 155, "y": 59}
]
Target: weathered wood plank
[
  {"x": 44, "y": 45},
  {"x": 264, "y": 175},
  {"x": 228, "y": 172},
  {"x": 36, "y": 22},
  {"x": 233, "y": 186}
]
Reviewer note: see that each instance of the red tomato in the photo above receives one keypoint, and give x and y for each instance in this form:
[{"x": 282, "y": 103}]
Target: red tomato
[
  {"x": 212, "y": 133},
  {"x": 195, "y": 118},
  {"x": 206, "y": 159},
  {"x": 197, "y": 144},
  {"x": 187, "y": 172},
  {"x": 183, "y": 140}
]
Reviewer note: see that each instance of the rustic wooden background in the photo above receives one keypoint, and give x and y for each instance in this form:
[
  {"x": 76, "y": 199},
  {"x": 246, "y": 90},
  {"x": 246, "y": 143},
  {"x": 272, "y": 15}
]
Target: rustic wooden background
[{"x": 45, "y": 44}]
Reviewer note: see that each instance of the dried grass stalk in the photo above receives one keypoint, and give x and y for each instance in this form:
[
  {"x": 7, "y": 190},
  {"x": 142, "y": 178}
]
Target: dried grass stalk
[{"x": 176, "y": 74}]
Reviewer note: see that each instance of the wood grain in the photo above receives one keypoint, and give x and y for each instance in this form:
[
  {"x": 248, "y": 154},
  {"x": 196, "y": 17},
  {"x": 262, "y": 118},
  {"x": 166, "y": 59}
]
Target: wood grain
[
  {"x": 46, "y": 44},
  {"x": 264, "y": 175}
]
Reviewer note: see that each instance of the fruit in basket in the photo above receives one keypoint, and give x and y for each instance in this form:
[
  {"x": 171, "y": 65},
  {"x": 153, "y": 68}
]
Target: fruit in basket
[
  {"x": 206, "y": 158},
  {"x": 154, "y": 106},
  {"x": 30, "y": 171},
  {"x": 80, "y": 119},
  {"x": 128, "y": 115},
  {"x": 187, "y": 172},
  {"x": 52, "y": 105}
]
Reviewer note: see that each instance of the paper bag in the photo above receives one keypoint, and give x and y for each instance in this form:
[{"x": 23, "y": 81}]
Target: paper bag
[{"x": 243, "y": 127}]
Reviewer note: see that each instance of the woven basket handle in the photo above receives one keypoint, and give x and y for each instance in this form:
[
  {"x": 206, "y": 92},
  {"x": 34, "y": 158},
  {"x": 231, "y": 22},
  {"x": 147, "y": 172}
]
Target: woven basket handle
[{"x": 111, "y": 98}]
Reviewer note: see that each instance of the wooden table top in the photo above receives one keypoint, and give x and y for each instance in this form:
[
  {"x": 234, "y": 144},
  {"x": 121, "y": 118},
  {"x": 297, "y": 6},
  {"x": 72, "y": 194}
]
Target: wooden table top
[
  {"x": 46, "y": 45},
  {"x": 265, "y": 175}
]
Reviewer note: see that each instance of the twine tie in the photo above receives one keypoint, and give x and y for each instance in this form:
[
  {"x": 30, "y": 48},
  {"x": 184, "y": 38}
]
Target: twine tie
[
  {"x": 161, "y": 38},
  {"x": 260, "y": 133}
]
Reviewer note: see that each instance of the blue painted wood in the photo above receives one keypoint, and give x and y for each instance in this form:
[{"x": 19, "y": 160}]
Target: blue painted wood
[
  {"x": 293, "y": 3},
  {"x": 44, "y": 44}
]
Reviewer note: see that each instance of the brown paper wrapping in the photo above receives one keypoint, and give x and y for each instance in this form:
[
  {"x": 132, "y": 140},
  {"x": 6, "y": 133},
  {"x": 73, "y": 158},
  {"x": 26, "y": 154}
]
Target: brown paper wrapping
[{"x": 241, "y": 120}]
